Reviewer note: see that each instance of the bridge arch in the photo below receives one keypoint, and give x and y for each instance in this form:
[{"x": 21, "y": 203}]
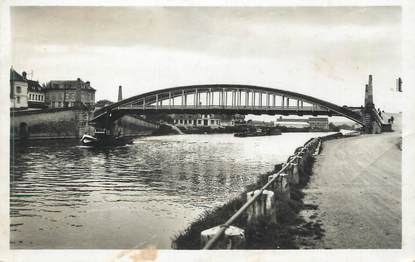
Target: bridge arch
[{"x": 225, "y": 98}]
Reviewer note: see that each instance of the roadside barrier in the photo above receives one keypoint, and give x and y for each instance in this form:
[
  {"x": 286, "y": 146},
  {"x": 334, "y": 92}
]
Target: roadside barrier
[{"x": 264, "y": 202}]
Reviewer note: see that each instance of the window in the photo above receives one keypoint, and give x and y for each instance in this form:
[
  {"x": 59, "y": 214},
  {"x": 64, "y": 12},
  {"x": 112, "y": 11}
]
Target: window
[
  {"x": 18, "y": 89},
  {"x": 18, "y": 99},
  {"x": 199, "y": 122},
  {"x": 212, "y": 122}
]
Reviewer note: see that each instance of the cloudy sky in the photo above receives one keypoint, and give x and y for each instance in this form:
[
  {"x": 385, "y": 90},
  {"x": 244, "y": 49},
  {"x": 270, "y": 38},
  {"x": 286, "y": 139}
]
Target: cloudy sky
[{"x": 323, "y": 52}]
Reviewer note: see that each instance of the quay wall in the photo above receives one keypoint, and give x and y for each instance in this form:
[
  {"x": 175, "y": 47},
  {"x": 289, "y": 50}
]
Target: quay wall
[
  {"x": 66, "y": 123},
  {"x": 47, "y": 124}
]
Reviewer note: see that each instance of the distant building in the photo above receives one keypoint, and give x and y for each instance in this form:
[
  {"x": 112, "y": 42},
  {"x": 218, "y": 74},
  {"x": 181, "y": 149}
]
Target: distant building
[
  {"x": 66, "y": 93},
  {"x": 256, "y": 123},
  {"x": 280, "y": 119},
  {"x": 18, "y": 90},
  {"x": 319, "y": 123},
  {"x": 206, "y": 120},
  {"x": 35, "y": 95},
  {"x": 292, "y": 122}
]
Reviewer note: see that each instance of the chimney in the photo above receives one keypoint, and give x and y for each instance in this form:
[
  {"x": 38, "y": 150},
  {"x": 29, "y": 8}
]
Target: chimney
[
  {"x": 24, "y": 74},
  {"x": 119, "y": 93}
]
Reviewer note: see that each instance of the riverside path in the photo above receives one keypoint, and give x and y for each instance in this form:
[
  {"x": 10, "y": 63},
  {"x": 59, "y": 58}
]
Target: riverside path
[{"x": 356, "y": 186}]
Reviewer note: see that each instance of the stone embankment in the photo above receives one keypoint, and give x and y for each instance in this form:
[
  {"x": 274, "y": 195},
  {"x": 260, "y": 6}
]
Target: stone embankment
[{"x": 66, "y": 123}]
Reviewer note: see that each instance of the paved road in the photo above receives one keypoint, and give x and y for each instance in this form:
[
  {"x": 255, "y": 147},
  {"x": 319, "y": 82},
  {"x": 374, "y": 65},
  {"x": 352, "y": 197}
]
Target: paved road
[{"x": 356, "y": 185}]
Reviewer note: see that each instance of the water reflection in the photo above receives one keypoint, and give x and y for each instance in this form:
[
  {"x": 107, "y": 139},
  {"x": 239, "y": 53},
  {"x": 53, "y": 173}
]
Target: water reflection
[{"x": 66, "y": 196}]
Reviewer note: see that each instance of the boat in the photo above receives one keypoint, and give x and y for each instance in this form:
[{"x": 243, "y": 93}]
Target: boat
[
  {"x": 89, "y": 140},
  {"x": 104, "y": 138},
  {"x": 258, "y": 132}
]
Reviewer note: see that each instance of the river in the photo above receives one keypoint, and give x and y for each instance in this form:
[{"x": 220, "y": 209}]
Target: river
[{"x": 67, "y": 196}]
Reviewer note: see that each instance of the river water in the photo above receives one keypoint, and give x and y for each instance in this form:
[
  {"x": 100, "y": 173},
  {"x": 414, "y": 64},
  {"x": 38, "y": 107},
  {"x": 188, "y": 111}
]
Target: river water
[{"x": 67, "y": 196}]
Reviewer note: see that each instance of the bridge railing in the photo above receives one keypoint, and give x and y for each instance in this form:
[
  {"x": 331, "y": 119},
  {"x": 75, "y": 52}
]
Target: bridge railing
[
  {"x": 293, "y": 108},
  {"x": 289, "y": 171}
]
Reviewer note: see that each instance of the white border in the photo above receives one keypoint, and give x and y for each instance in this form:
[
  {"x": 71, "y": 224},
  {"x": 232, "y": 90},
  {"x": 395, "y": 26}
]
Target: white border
[{"x": 407, "y": 253}]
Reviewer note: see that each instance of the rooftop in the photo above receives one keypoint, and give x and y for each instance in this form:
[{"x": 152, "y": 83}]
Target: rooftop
[{"x": 69, "y": 84}]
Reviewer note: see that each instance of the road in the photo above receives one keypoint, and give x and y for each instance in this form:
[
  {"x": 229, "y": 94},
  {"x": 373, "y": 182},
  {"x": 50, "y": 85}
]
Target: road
[{"x": 356, "y": 185}]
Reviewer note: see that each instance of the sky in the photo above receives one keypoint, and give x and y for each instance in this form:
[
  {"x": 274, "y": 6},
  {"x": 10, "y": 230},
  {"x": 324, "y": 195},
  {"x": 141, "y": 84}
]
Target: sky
[{"x": 325, "y": 52}]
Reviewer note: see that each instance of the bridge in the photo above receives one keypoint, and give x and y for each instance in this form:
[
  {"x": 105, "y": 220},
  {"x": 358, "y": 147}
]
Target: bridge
[{"x": 234, "y": 99}]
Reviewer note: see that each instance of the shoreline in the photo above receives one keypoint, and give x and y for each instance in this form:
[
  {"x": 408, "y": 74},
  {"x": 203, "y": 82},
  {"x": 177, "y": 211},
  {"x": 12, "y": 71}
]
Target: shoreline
[{"x": 266, "y": 235}]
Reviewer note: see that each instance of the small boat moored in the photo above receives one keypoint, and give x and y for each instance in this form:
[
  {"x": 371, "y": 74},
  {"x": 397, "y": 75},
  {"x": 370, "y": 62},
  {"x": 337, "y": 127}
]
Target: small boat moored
[{"x": 104, "y": 139}]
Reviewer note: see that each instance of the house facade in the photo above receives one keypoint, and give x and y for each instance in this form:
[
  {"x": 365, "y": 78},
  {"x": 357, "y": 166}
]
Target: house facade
[
  {"x": 319, "y": 123},
  {"x": 35, "y": 95},
  {"x": 66, "y": 93},
  {"x": 18, "y": 90}
]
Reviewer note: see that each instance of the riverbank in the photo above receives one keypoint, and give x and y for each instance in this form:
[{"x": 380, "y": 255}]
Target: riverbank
[
  {"x": 356, "y": 188},
  {"x": 266, "y": 234}
]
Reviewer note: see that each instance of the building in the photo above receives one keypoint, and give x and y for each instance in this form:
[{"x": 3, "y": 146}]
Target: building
[
  {"x": 66, "y": 93},
  {"x": 206, "y": 120},
  {"x": 315, "y": 123},
  {"x": 35, "y": 95},
  {"x": 319, "y": 123},
  {"x": 18, "y": 90},
  {"x": 261, "y": 124},
  {"x": 292, "y": 122}
]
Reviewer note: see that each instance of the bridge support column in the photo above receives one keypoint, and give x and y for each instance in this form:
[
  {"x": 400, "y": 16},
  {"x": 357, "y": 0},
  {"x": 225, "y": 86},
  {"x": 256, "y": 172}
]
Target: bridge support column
[
  {"x": 157, "y": 101},
  {"x": 223, "y": 97},
  {"x": 263, "y": 207},
  {"x": 246, "y": 98},
  {"x": 260, "y": 99},
  {"x": 196, "y": 98},
  {"x": 282, "y": 102},
  {"x": 232, "y": 238},
  {"x": 267, "y": 99}
]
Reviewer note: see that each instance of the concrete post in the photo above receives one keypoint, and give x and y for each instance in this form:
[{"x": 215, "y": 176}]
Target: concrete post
[
  {"x": 294, "y": 178},
  {"x": 281, "y": 187},
  {"x": 263, "y": 206},
  {"x": 232, "y": 238}
]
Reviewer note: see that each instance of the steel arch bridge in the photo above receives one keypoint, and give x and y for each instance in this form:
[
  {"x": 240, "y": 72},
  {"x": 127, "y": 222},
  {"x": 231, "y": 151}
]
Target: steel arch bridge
[{"x": 224, "y": 99}]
